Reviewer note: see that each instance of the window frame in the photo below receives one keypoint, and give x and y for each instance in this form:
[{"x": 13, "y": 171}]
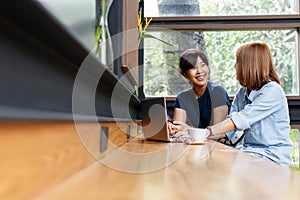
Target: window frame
[
  {"x": 222, "y": 23},
  {"x": 226, "y": 22}
]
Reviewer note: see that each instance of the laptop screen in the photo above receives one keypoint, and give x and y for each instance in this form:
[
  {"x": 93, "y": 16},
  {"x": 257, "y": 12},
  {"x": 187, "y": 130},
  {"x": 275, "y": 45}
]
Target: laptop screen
[{"x": 154, "y": 117}]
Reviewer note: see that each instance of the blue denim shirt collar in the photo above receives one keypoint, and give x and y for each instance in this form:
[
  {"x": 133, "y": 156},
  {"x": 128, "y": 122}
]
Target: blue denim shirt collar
[
  {"x": 248, "y": 98},
  {"x": 252, "y": 95}
]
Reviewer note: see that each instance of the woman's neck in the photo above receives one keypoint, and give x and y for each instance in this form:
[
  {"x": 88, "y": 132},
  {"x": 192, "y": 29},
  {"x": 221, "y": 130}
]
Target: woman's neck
[{"x": 199, "y": 90}]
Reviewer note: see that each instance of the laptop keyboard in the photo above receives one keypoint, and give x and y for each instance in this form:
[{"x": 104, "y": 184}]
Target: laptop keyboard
[{"x": 180, "y": 138}]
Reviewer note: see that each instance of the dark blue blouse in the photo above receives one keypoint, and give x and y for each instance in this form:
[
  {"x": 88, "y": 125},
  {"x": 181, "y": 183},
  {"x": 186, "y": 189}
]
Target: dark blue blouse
[{"x": 199, "y": 111}]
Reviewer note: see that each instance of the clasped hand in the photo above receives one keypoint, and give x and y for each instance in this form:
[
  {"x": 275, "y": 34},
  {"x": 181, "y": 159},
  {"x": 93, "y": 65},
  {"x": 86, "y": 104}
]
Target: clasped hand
[{"x": 176, "y": 126}]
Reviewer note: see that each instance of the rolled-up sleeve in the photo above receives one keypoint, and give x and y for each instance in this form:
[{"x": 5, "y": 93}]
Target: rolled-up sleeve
[
  {"x": 263, "y": 103},
  {"x": 240, "y": 121}
]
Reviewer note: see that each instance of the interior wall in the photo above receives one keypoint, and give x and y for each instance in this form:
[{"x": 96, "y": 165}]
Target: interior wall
[{"x": 40, "y": 62}]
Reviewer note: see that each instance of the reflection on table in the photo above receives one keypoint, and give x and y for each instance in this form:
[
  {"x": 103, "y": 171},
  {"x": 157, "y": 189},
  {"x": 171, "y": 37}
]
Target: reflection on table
[{"x": 155, "y": 170}]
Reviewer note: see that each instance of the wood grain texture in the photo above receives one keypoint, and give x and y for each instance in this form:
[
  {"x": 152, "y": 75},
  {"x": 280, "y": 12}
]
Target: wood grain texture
[
  {"x": 35, "y": 156},
  {"x": 41, "y": 160},
  {"x": 211, "y": 171},
  {"x": 38, "y": 155},
  {"x": 117, "y": 134}
]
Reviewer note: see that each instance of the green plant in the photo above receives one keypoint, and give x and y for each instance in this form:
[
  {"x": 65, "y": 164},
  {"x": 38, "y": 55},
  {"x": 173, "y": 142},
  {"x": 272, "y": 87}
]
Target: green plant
[{"x": 143, "y": 27}]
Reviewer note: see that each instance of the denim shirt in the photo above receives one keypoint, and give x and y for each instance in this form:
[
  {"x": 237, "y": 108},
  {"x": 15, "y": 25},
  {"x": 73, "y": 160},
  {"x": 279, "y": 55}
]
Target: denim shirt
[{"x": 263, "y": 115}]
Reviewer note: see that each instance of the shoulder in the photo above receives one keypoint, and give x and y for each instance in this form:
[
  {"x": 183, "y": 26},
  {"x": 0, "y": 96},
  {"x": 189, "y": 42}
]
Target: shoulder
[
  {"x": 186, "y": 93},
  {"x": 272, "y": 89},
  {"x": 271, "y": 93},
  {"x": 242, "y": 91},
  {"x": 272, "y": 85},
  {"x": 240, "y": 94},
  {"x": 215, "y": 88},
  {"x": 185, "y": 99}
]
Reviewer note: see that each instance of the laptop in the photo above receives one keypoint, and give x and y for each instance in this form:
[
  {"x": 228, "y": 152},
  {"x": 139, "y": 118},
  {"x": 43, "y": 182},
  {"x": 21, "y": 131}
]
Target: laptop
[{"x": 155, "y": 120}]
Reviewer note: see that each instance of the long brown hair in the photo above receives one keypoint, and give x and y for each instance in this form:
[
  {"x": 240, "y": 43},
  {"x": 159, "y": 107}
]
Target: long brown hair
[{"x": 254, "y": 65}]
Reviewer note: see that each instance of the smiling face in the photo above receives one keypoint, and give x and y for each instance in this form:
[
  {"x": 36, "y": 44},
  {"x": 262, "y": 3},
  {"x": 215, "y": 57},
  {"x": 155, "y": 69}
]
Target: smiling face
[{"x": 198, "y": 75}]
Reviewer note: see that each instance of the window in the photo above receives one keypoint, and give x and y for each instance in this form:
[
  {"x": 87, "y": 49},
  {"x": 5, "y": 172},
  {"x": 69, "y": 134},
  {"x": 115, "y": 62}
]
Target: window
[
  {"x": 294, "y": 135},
  {"x": 220, "y": 47},
  {"x": 158, "y": 8},
  {"x": 218, "y": 27}
]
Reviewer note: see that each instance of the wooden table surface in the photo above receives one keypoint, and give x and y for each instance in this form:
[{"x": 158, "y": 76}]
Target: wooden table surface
[
  {"x": 48, "y": 160},
  {"x": 156, "y": 170}
]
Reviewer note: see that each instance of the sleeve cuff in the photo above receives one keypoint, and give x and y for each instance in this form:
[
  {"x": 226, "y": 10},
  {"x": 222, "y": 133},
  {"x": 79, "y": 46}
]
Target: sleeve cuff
[{"x": 230, "y": 134}]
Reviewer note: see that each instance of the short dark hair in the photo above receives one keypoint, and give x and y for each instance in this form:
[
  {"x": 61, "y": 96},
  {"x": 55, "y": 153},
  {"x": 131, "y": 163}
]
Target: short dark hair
[{"x": 188, "y": 59}]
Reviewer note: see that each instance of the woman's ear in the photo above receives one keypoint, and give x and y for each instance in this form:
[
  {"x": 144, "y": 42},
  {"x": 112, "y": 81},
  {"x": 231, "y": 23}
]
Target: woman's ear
[{"x": 185, "y": 75}]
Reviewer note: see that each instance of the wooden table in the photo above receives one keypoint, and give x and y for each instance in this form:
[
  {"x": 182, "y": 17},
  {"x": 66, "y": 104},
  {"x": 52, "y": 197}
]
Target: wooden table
[
  {"x": 210, "y": 171},
  {"x": 48, "y": 161}
]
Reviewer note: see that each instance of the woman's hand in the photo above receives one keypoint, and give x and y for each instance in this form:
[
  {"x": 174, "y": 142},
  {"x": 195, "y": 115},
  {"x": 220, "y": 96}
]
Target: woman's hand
[
  {"x": 176, "y": 126},
  {"x": 179, "y": 126},
  {"x": 171, "y": 127}
]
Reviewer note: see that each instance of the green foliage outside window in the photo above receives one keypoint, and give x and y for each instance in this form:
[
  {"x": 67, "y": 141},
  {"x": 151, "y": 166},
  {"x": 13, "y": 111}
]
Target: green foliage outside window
[
  {"x": 294, "y": 135},
  {"x": 221, "y": 47},
  {"x": 246, "y": 7}
]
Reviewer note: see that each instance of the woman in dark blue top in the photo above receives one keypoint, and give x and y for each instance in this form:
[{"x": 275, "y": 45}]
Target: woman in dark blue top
[{"x": 206, "y": 103}]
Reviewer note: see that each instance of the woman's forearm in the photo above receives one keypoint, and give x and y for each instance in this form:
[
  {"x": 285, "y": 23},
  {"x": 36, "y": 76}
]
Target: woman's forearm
[
  {"x": 219, "y": 129},
  {"x": 219, "y": 114}
]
